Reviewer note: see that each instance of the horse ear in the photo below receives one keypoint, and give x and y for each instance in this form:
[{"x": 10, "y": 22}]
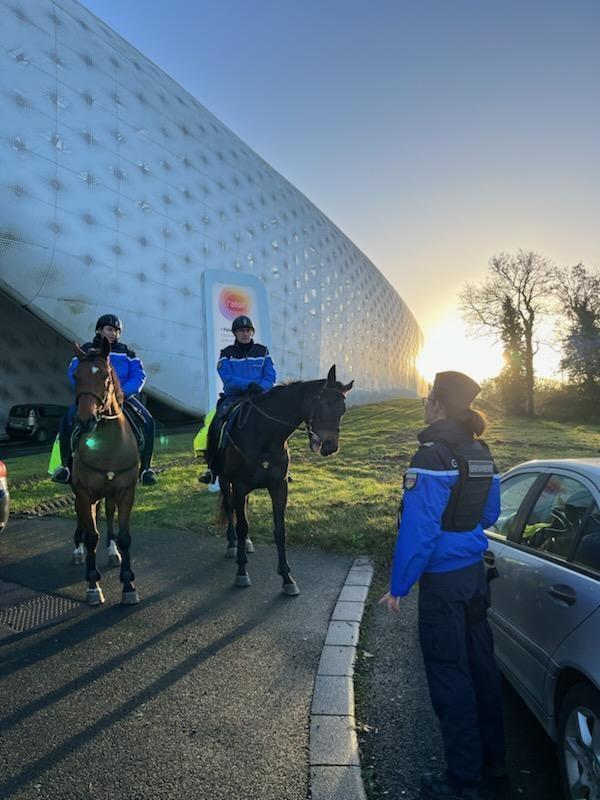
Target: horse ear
[
  {"x": 105, "y": 347},
  {"x": 331, "y": 380},
  {"x": 79, "y": 353},
  {"x": 347, "y": 387}
]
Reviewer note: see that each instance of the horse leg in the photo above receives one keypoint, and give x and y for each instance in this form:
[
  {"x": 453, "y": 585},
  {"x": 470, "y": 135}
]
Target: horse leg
[
  {"x": 231, "y": 550},
  {"x": 130, "y": 595},
  {"x": 279, "y": 493},
  {"x": 114, "y": 557},
  {"x": 249, "y": 544},
  {"x": 86, "y": 519},
  {"x": 79, "y": 551},
  {"x": 241, "y": 529}
]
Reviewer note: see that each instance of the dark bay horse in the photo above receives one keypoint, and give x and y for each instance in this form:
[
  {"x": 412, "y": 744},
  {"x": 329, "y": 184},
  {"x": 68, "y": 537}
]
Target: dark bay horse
[
  {"x": 256, "y": 456},
  {"x": 105, "y": 465}
]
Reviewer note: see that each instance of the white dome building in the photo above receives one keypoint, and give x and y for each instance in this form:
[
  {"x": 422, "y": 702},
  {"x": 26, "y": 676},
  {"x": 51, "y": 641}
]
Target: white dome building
[{"x": 121, "y": 193}]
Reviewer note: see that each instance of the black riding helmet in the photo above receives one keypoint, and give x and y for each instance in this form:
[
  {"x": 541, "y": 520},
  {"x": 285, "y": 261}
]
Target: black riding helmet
[
  {"x": 109, "y": 319},
  {"x": 240, "y": 322}
]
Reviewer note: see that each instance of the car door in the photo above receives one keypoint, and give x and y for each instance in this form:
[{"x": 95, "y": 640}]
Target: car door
[
  {"x": 515, "y": 490},
  {"x": 539, "y": 599}
]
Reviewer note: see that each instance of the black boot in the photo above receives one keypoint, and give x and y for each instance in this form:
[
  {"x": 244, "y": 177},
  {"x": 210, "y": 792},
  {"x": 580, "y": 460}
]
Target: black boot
[
  {"x": 148, "y": 476},
  {"x": 61, "y": 475}
]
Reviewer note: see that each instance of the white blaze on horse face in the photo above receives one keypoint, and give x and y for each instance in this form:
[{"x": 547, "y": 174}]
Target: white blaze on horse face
[{"x": 94, "y": 370}]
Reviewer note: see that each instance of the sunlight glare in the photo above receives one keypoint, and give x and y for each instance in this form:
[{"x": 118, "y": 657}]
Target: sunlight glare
[{"x": 449, "y": 346}]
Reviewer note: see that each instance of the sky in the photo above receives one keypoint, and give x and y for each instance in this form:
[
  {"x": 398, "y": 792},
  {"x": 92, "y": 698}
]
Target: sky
[{"x": 434, "y": 133}]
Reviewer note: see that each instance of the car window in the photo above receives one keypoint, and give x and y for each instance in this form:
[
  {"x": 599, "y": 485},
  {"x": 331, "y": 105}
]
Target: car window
[
  {"x": 513, "y": 491},
  {"x": 556, "y": 517},
  {"x": 20, "y": 411},
  {"x": 587, "y": 553}
]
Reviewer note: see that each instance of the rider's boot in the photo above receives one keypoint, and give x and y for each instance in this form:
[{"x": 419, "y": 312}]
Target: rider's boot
[
  {"x": 148, "y": 476},
  {"x": 207, "y": 477},
  {"x": 61, "y": 475}
]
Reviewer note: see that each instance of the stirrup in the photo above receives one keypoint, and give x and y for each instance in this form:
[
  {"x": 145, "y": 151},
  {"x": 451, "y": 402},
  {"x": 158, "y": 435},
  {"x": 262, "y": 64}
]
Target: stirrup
[
  {"x": 61, "y": 475},
  {"x": 207, "y": 477},
  {"x": 148, "y": 477}
]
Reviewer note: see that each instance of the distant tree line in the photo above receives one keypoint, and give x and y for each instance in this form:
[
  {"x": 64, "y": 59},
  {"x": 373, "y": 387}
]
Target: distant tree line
[{"x": 520, "y": 292}]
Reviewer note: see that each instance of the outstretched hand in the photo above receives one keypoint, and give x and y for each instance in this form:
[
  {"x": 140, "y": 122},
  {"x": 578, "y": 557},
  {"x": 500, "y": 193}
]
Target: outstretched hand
[{"x": 392, "y": 603}]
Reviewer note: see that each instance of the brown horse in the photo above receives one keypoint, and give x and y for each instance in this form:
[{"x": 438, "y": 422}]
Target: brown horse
[
  {"x": 105, "y": 465},
  {"x": 256, "y": 456}
]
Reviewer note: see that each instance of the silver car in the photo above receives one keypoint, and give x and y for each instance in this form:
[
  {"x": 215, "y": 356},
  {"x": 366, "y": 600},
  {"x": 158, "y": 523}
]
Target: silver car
[{"x": 545, "y": 606}]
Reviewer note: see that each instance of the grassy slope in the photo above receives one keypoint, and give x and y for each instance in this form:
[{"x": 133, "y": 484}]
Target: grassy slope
[{"x": 347, "y": 502}]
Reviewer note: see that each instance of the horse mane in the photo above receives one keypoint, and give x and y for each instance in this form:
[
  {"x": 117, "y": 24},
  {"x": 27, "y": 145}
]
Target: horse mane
[
  {"x": 93, "y": 354},
  {"x": 286, "y": 384}
]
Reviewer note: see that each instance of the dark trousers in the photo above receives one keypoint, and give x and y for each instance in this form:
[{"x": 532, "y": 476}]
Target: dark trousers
[
  {"x": 464, "y": 681},
  {"x": 147, "y": 421}
]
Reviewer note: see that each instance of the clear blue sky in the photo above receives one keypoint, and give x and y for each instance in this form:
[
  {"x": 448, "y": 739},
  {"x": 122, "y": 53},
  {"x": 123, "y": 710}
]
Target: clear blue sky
[{"x": 435, "y": 133}]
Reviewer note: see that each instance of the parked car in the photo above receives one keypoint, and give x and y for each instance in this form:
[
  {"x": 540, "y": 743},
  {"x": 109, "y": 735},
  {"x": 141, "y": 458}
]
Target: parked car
[
  {"x": 545, "y": 606},
  {"x": 37, "y": 421},
  {"x": 4, "y": 496}
]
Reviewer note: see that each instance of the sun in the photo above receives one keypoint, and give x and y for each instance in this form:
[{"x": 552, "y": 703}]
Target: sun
[{"x": 450, "y": 346}]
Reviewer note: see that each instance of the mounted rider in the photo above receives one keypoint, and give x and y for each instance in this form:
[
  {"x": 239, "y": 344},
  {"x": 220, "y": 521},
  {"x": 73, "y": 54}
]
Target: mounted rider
[
  {"x": 132, "y": 377},
  {"x": 246, "y": 368}
]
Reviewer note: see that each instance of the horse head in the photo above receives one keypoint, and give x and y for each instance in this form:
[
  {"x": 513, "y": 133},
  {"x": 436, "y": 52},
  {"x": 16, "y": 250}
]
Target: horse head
[
  {"x": 94, "y": 385},
  {"x": 326, "y": 413}
]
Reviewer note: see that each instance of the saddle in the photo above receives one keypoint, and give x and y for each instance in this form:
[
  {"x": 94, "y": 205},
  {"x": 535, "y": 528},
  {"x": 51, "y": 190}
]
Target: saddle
[{"x": 224, "y": 424}]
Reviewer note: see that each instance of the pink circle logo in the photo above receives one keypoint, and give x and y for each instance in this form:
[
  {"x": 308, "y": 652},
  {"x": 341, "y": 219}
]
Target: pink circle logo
[{"x": 233, "y": 302}]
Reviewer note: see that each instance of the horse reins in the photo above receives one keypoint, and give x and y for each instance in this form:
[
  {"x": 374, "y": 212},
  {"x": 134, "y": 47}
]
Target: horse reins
[{"x": 308, "y": 423}]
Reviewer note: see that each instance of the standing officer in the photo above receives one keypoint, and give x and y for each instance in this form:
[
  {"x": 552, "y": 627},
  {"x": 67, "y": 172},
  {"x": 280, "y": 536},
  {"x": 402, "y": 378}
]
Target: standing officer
[
  {"x": 451, "y": 493},
  {"x": 246, "y": 368}
]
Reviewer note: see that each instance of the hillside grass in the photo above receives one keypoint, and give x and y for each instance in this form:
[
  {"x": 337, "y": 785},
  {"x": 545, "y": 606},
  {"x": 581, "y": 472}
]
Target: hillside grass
[{"x": 345, "y": 503}]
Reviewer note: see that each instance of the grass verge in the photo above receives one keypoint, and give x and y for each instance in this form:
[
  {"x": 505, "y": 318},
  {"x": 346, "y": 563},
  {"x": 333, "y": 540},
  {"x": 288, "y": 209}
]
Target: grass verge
[{"x": 345, "y": 503}]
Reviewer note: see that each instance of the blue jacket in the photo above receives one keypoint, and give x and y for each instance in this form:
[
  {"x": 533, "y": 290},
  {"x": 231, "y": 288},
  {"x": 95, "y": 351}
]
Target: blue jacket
[
  {"x": 125, "y": 363},
  {"x": 239, "y": 366},
  {"x": 422, "y": 545}
]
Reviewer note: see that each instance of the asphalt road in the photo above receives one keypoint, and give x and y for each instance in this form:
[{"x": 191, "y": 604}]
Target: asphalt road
[
  {"x": 200, "y": 691},
  {"x": 16, "y": 448},
  {"x": 402, "y": 738}
]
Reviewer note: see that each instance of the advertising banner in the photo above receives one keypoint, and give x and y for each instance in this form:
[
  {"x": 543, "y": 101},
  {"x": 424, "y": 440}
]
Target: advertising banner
[{"x": 228, "y": 295}]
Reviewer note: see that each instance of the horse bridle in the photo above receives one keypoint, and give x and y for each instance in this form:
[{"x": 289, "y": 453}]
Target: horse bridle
[
  {"x": 109, "y": 384},
  {"x": 307, "y": 422}
]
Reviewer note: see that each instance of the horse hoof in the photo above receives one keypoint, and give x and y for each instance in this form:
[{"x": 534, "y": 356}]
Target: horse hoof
[
  {"x": 231, "y": 552},
  {"x": 130, "y": 598},
  {"x": 78, "y": 558},
  {"x": 94, "y": 597},
  {"x": 242, "y": 580},
  {"x": 290, "y": 589},
  {"x": 114, "y": 560},
  {"x": 249, "y": 546}
]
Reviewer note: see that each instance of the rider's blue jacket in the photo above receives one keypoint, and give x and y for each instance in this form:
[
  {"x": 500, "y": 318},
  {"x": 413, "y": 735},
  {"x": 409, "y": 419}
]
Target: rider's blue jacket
[
  {"x": 125, "y": 363},
  {"x": 422, "y": 544},
  {"x": 239, "y": 366}
]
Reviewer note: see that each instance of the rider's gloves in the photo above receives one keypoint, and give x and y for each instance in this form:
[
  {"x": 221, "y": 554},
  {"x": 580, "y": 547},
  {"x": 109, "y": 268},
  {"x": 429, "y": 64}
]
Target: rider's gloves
[{"x": 254, "y": 388}]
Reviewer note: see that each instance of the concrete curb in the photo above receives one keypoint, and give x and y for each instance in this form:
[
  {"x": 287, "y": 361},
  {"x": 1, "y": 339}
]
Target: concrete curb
[{"x": 335, "y": 772}]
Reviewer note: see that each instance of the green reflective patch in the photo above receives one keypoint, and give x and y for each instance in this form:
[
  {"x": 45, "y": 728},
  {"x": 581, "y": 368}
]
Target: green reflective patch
[{"x": 91, "y": 442}]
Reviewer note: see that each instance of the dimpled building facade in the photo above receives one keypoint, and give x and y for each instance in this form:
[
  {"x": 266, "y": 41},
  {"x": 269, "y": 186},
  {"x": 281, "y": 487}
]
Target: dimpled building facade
[{"x": 118, "y": 189}]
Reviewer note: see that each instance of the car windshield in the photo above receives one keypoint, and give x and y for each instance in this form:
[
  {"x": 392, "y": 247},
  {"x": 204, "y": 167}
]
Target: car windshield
[{"x": 21, "y": 411}]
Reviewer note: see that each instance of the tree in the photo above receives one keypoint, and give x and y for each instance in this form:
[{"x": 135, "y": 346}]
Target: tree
[
  {"x": 522, "y": 285},
  {"x": 511, "y": 381},
  {"x": 578, "y": 292}
]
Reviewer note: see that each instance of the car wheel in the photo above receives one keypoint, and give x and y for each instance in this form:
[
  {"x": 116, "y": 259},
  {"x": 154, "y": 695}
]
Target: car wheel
[
  {"x": 579, "y": 742},
  {"x": 41, "y": 435}
]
